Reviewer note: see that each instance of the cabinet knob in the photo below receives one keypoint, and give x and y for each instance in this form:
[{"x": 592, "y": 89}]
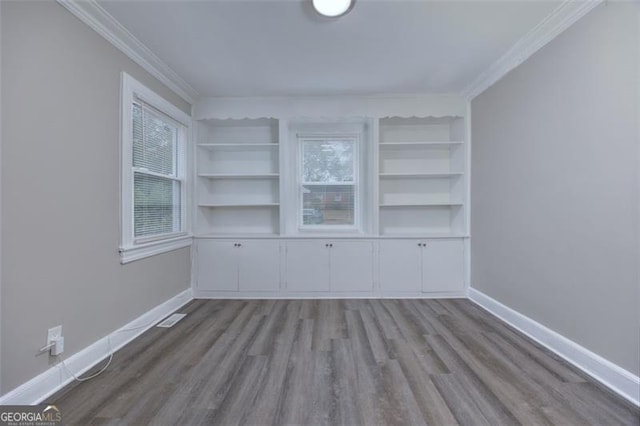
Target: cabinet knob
[{"x": 331, "y": 245}]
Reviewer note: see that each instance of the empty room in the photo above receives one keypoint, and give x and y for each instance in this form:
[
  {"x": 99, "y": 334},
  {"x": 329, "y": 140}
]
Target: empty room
[{"x": 319, "y": 212}]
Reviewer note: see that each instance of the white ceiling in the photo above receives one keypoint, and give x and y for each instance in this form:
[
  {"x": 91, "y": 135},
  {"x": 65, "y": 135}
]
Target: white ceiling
[{"x": 282, "y": 48}]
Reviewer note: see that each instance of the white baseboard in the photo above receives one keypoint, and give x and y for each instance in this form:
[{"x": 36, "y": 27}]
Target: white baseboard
[
  {"x": 288, "y": 295},
  {"x": 55, "y": 378},
  {"x": 611, "y": 375}
]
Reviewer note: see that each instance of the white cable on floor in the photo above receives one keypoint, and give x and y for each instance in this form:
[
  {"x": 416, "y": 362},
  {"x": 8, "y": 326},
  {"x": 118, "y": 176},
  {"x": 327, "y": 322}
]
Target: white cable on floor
[{"x": 84, "y": 379}]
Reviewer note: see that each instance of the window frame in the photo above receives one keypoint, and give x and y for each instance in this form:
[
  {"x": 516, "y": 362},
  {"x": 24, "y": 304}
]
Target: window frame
[
  {"x": 131, "y": 247},
  {"x": 301, "y": 138}
]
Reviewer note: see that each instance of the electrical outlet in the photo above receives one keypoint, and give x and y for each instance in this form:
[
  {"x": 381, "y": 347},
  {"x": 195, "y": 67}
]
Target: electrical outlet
[{"x": 54, "y": 335}]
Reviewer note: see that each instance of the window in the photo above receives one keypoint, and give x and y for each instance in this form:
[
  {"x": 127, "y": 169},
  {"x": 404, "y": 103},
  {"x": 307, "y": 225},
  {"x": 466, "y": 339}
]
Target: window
[
  {"x": 328, "y": 180},
  {"x": 154, "y": 188}
]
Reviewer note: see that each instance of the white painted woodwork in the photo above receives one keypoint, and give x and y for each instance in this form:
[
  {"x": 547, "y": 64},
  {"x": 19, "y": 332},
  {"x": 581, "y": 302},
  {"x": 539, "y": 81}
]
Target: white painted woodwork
[
  {"x": 259, "y": 265},
  {"x": 217, "y": 266},
  {"x": 332, "y": 266},
  {"x": 442, "y": 266},
  {"x": 237, "y": 178},
  {"x": 332, "y": 107},
  {"x": 319, "y": 267},
  {"x": 422, "y": 163},
  {"x": 351, "y": 266},
  {"x": 238, "y": 265},
  {"x": 307, "y": 266},
  {"x": 413, "y": 184},
  {"x": 400, "y": 266}
]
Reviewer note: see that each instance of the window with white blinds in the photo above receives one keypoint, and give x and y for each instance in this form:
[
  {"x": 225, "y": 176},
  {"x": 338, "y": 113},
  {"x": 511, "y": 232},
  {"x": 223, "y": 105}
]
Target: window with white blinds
[
  {"x": 156, "y": 182},
  {"x": 154, "y": 187}
]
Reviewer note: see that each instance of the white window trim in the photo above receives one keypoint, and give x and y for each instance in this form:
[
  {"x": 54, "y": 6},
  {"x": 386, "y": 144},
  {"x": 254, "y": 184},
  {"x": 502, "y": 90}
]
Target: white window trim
[
  {"x": 139, "y": 248},
  {"x": 356, "y": 227}
]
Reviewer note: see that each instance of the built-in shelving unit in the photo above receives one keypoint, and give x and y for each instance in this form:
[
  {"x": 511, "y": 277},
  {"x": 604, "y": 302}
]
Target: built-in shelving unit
[
  {"x": 410, "y": 237},
  {"x": 421, "y": 176},
  {"x": 238, "y": 177}
]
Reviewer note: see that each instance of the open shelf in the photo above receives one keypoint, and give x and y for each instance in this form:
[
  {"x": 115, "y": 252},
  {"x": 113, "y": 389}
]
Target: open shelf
[
  {"x": 422, "y": 219},
  {"x": 238, "y": 190},
  {"x": 419, "y": 175},
  {"x": 239, "y": 176},
  {"x": 220, "y": 205},
  {"x": 419, "y": 144},
  {"x": 239, "y": 219},
  {"x": 426, "y": 204},
  {"x": 238, "y": 146},
  {"x": 420, "y": 169}
]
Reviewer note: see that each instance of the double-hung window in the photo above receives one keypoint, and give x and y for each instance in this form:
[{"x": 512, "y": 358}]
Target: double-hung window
[
  {"x": 328, "y": 182},
  {"x": 154, "y": 185}
]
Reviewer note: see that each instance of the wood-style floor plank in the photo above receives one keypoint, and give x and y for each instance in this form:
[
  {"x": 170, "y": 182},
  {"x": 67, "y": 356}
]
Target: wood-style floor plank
[{"x": 339, "y": 362}]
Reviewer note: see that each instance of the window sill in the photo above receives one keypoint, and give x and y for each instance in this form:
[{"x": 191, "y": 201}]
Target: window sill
[{"x": 141, "y": 251}]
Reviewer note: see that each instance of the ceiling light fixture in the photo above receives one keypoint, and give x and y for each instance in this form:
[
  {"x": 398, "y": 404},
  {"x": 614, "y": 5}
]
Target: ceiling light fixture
[{"x": 332, "y": 8}]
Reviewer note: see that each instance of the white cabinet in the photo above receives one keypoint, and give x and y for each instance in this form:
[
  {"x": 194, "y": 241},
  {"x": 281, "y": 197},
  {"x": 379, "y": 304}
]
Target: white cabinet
[
  {"x": 351, "y": 266},
  {"x": 334, "y": 268},
  {"x": 307, "y": 266},
  {"x": 442, "y": 266},
  {"x": 323, "y": 266},
  {"x": 400, "y": 263},
  {"x": 217, "y": 266},
  {"x": 238, "y": 265},
  {"x": 430, "y": 266}
]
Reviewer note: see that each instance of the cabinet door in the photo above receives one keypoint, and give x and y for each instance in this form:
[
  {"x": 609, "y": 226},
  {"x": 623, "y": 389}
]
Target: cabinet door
[
  {"x": 259, "y": 265},
  {"x": 351, "y": 266},
  {"x": 443, "y": 266},
  {"x": 217, "y": 266},
  {"x": 307, "y": 266},
  {"x": 400, "y": 264}
]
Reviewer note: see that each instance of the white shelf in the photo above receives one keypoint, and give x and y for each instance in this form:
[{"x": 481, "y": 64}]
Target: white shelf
[
  {"x": 443, "y": 203},
  {"x": 216, "y": 205},
  {"x": 419, "y": 144},
  {"x": 239, "y": 176},
  {"x": 238, "y": 168},
  {"x": 365, "y": 237},
  {"x": 422, "y": 235},
  {"x": 239, "y": 236},
  {"x": 421, "y": 162},
  {"x": 418, "y": 175},
  {"x": 237, "y": 146}
]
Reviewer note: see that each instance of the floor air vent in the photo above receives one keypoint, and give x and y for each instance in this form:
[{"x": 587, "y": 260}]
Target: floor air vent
[{"x": 171, "y": 321}]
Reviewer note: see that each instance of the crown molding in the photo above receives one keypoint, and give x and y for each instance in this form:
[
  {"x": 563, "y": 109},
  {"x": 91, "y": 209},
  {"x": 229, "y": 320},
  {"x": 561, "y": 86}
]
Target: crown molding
[
  {"x": 561, "y": 18},
  {"x": 92, "y": 14}
]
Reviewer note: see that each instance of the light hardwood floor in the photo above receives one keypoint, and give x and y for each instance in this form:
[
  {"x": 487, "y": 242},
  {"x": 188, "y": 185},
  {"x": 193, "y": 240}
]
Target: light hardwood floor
[{"x": 347, "y": 362}]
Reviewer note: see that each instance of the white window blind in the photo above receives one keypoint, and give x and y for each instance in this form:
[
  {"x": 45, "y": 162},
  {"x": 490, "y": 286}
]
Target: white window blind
[
  {"x": 154, "y": 215},
  {"x": 156, "y": 181}
]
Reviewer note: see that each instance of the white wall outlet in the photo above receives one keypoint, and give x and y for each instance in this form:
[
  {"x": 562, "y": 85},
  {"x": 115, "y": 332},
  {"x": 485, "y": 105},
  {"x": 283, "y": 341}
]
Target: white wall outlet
[{"x": 54, "y": 335}]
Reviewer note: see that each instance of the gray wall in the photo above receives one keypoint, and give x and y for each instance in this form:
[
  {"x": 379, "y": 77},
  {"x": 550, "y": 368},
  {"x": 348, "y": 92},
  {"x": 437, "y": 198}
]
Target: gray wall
[
  {"x": 554, "y": 218},
  {"x": 60, "y": 190}
]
